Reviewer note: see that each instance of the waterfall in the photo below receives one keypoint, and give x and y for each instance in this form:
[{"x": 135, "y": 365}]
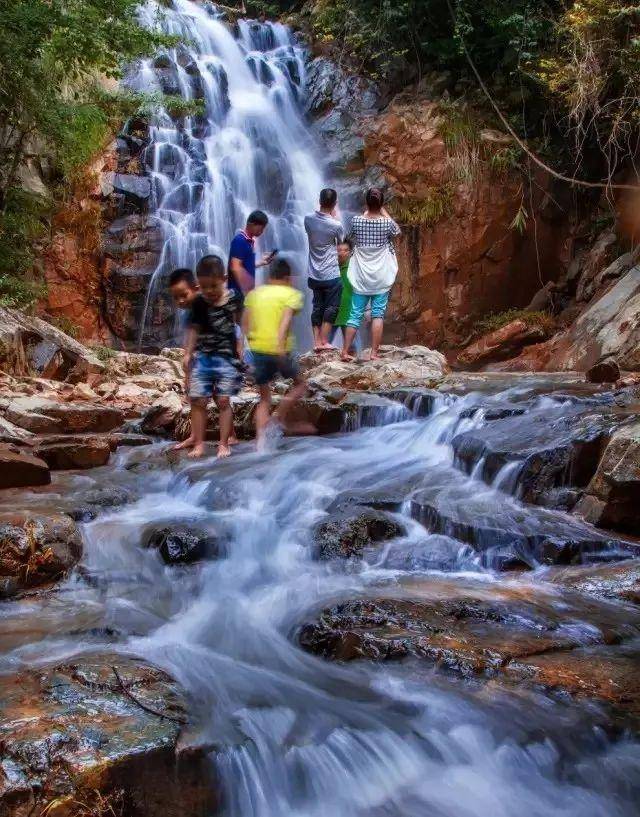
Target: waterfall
[{"x": 249, "y": 149}]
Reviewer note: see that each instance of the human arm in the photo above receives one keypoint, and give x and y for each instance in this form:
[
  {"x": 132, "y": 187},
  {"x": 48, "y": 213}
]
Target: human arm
[
  {"x": 284, "y": 329},
  {"x": 240, "y": 275},
  {"x": 187, "y": 359}
]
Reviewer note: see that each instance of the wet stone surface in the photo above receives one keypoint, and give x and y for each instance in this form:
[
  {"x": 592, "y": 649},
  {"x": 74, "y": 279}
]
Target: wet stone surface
[
  {"x": 98, "y": 723},
  {"x": 524, "y": 632},
  {"x": 348, "y": 534}
]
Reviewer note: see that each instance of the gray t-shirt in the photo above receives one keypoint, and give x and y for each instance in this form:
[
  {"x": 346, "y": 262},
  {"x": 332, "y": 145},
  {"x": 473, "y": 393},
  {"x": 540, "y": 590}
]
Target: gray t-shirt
[{"x": 324, "y": 234}]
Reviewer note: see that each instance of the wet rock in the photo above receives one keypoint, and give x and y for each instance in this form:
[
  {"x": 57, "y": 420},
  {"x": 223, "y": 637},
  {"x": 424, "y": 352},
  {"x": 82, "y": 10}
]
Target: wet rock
[
  {"x": 20, "y": 468},
  {"x": 397, "y": 368},
  {"x": 44, "y": 416},
  {"x": 35, "y": 549},
  {"x": 609, "y": 674},
  {"x": 488, "y": 522},
  {"x": 556, "y": 447},
  {"x": 29, "y": 344},
  {"x": 606, "y": 371},
  {"x": 474, "y": 629},
  {"x": 620, "y": 582},
  {"x": 347, "y": 534},
  {"x": 502, "y": 344},
  {"x": 182, "y": 544},
  {"x": 87, "y": 505},
  {"x": 613, "y": 496},
  {"x": 73, "y": 451},
  {"x": 135, "y": 189},
  {"x": 435, "y": 552},
  {"x": 127, "y": 440},
  {"x": 79, "y": 733},
  {"x": 163, "y": 415}
]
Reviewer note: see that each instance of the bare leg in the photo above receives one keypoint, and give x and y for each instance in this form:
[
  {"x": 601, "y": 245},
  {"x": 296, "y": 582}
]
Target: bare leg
[
  {"x": 198, "y": 427},
  {"x": 263, "y": 412},
  {"x": 377, "y": 325},
  {"x": 325, "y": 332},
  {"x": 289, "y": 400},
  {"x": 317, "y": 338},
  {"x": 226, "y": 426},
  {"x": 349, "y": 334}
]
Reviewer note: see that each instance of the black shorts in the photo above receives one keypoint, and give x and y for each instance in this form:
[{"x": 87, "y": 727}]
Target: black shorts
[
  {"x": 326, "y": 300},
  {"x": 267, "y": 367}
]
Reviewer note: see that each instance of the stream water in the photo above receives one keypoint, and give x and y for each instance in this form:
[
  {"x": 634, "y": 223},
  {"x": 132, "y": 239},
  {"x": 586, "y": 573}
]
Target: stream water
[
  {"x": 249, "y": 149},
  {"x": 297, "y": 736}
]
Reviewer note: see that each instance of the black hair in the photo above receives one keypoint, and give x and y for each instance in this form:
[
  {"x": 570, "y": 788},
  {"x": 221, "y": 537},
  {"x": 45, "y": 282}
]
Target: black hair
[
  {"x": 375, "y": 198},
  {"x": 346, "y": 241},
  {"x": 328, "y": 198},
  {"x": 211, "y": 266},
  {"x": 180, "y": 275},
  {"x": 280, "y": 270},
  {"x": 258, "y": 218}
]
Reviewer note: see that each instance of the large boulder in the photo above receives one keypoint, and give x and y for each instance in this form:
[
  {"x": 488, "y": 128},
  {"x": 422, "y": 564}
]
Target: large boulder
[
  {"x": 73, "y": 451},
  {"x": 181, "y": 544},
  {"x": 613, "y": 496},
  {"x": 29, "y": 344},
  {"x": 163, "y": 415},
  {"x": 98, "y": 735},
  {"x": 480, "y": 630},
  {"x": 20, "y": 468},
  {"x": 348, "y": 533},
  {"x": 397, "y": 367},
  {"x": 43, "y": 416},
  {"x": 35, "y": 549},
  {"x": 503, "y": 343}
]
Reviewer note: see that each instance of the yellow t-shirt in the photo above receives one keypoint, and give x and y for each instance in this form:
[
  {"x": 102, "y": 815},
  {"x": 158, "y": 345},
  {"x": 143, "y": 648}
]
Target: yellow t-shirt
[{"x": 266, "y": 305}]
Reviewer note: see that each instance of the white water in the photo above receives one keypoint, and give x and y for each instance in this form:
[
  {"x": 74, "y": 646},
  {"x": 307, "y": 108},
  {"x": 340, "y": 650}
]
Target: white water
[
  {"x": 251, "y": 148},
  {"x": 297, "y": 736}
]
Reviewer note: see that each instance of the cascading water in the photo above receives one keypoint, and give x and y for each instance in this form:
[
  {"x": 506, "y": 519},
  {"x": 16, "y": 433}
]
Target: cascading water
[
  {"x": 249, "y": 149},
  {"x": 297, "y": 736}
]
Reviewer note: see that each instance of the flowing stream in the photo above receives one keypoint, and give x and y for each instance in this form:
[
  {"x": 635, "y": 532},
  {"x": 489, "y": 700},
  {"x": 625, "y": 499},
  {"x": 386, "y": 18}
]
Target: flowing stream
[
  {"x": 297, "y": 736},
  {"x": 249, "y": 149}
]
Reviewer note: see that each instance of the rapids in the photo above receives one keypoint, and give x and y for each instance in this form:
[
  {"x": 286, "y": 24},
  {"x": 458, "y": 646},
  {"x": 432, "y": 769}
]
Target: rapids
[{"x": 292, "y": 735}]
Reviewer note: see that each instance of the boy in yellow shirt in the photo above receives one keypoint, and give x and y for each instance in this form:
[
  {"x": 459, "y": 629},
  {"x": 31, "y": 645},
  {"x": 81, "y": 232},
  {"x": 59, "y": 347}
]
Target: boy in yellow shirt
[{"x": 268, "y": 315}]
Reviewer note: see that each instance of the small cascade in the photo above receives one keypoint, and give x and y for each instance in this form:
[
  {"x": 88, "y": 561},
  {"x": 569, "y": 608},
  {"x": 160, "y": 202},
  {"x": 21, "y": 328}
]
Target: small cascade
[{"x": 248, "y": 149}]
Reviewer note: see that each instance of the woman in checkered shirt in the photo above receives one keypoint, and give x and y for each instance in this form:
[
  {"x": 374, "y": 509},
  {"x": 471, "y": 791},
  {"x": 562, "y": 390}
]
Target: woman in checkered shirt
[{"x": 372, "y": 269}]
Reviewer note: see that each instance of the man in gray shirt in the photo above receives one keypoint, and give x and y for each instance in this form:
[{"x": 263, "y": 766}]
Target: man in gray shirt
[{"x": 325, "y": 232}]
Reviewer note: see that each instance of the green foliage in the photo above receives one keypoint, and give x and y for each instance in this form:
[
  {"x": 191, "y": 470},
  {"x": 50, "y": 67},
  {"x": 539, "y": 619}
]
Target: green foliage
[
  {"x": 426, "y": 211},
  {"x": 51, "y": 53},
  {"x": 22, "y": 224},
  {"x": 496, "y": 320},
  {"x": 104, "y": 353},
  {"x": 505, "y": 159},
  {"x": 64, "y": 324},
  {"x": 401, "y": 36}
]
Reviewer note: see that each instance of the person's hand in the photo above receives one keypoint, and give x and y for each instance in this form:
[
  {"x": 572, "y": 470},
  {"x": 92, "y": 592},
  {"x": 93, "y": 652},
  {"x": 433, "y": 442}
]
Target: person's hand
[{"x": 267, "y": 258}]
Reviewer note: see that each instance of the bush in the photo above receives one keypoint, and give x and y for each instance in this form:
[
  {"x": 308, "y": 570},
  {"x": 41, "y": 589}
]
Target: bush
[
  {"x": 426, "y": 211},
  {"x": 496, "y": 320}
]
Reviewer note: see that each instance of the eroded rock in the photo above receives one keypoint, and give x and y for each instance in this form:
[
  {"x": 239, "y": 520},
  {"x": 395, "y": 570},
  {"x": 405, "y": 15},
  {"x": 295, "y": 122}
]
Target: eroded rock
[
  {"x": 35, "y": 549},
  {"x": 44, "y": 416},
  {"x": 347, "y": 534},
  {"x": 80, "y": 733},
  {"x": 65, "y": 452},
  {"x": 613, "y": 495},
  {"x": 182, "y": 544},
  {"x": 19, "y": 468},
  {"x": 503, "y": 343}
]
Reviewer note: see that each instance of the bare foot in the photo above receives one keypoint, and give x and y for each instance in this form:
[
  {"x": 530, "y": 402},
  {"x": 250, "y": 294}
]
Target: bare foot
[
  {"x": 197, "y": 451},
  {"x": 327, "y": 347},
  {"x": 189, "y": 443},
  {"x": 347, "y": 358},
  {"x": 233, "y": 440},
  {"x": 224, "y": 451},
  {"x": 374, "y": 357}
]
